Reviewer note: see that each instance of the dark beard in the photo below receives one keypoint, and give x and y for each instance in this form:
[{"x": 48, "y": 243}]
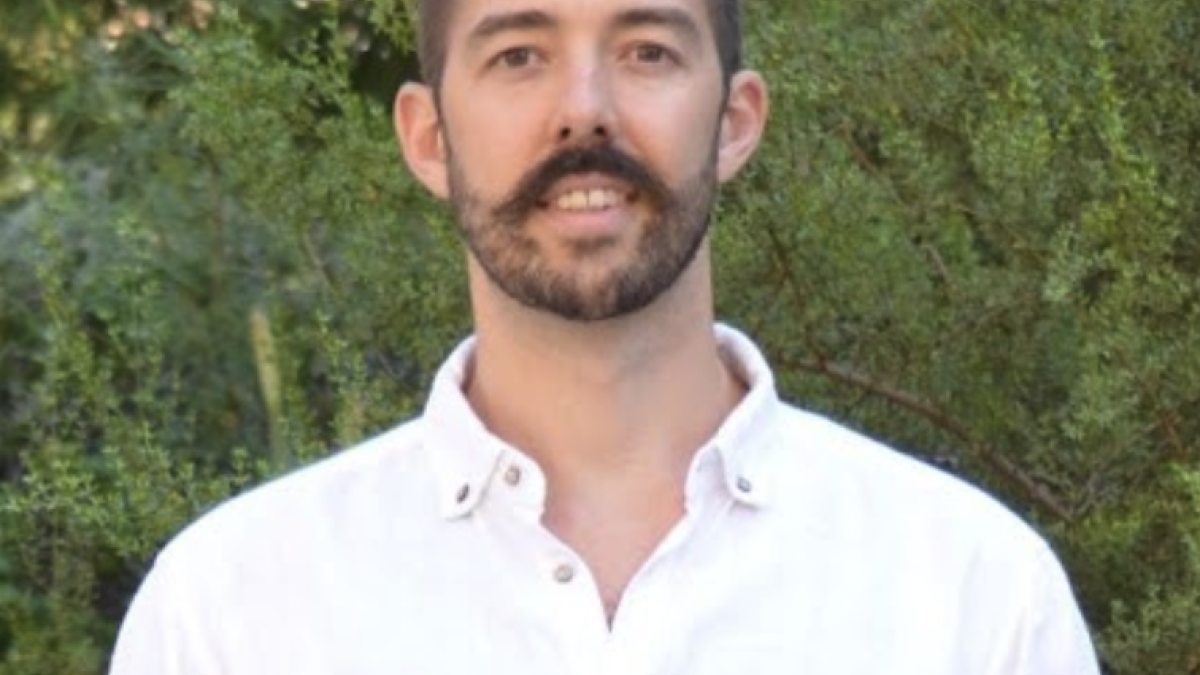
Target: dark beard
[{"x": 513, "y": 260}]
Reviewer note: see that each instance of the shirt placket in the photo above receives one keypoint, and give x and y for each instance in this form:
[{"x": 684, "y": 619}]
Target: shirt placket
[
  {"x": 573, "y": 610},
  {"x": 568, "y": 599},
  {"x": 655, "y": 600}
]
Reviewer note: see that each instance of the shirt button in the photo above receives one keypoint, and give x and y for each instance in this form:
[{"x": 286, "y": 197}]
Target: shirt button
[
  {"x": 463, "y": 493},
  {"x": 512, "y": 475},
  {"x": 744, "y": 485},
  {"x": 564, "y": 573}
]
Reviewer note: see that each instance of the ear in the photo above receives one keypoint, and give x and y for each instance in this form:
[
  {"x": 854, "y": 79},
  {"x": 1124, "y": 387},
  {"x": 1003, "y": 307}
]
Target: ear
[
  {"x": 419, "y": 128},
  {"x": 742, "y": 123}
]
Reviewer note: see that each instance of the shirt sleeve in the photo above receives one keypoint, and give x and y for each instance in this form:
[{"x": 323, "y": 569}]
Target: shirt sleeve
[
  {"x": 1054, "y": 639},
  {"x": 161, "y": 634}
]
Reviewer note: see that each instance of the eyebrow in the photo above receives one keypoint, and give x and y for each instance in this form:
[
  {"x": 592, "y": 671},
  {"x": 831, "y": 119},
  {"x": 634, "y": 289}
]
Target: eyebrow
[
  {"x": 670, "y": 18},
  {"x": 496, "y": 24},
  {"x": 676, "y": 20}
]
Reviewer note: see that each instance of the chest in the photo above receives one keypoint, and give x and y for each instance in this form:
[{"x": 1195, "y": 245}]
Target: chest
[{"x": 711, "y": 598}]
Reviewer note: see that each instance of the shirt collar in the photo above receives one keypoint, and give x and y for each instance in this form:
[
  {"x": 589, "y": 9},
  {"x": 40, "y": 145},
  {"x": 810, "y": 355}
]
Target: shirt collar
[
  {"x": 465, "y": 456},
  {"x": 463, "y": 452},
  {"x": 743, "y": 438}
]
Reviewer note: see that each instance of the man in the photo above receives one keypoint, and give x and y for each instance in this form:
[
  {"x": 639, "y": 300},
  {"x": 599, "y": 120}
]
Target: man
[{"x": 602, "y": 481}]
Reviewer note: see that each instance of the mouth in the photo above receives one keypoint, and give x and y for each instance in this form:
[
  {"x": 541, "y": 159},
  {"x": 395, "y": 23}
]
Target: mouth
[
  {"x": 589, "y": 200},
  {"x": 574, "y": 196}
]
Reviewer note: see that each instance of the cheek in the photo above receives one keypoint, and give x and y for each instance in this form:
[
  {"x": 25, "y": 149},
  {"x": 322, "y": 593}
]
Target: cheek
[
  {"x": 493, "y": 147},
  {"x": 676, "y": 141}
]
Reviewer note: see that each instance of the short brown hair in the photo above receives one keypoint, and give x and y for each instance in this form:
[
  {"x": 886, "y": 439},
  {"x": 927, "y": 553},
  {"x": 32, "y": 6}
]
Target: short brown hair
[{"x": 434, "y": 22}]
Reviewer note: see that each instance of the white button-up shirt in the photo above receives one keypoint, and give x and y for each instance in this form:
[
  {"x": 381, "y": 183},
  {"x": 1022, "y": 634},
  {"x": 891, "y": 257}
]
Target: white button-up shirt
[{"x": 805, "y": 549}]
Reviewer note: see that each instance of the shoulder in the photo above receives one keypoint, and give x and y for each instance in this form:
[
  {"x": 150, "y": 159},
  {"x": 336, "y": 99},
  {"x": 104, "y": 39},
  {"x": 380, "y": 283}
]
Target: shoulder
[
  {"x": 864, "y": 488},
  {"x": 338, "y": 494},
  {"x": 239, "y": 566},
  {"x": 914, "y": 536}
]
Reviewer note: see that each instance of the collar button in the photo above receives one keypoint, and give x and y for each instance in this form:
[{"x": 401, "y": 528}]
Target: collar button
[
  {"x": 512, "y": 475},
  {"x": 564, "y": 573}
]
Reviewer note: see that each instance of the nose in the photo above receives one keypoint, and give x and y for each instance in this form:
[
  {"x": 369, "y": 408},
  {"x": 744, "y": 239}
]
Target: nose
[{"x": 587, "y": 114}]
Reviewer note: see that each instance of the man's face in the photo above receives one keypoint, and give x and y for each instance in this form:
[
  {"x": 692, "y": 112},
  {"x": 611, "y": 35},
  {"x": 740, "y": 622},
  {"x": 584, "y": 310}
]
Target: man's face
[{"x": 581, "y": 142}]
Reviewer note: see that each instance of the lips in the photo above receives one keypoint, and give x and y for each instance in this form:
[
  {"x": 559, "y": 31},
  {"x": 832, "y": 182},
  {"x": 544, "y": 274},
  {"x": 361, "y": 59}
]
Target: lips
[
  {"x": 581, "y": 181},
  {"x": 588, "y": 200},
  {"x": 587, "y": 193}
]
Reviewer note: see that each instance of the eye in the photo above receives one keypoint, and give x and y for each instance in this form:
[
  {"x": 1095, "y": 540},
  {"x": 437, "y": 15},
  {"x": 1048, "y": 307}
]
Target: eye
[
  {"x": 516, "y": 58},
  {"x": 651, "y": 53}
]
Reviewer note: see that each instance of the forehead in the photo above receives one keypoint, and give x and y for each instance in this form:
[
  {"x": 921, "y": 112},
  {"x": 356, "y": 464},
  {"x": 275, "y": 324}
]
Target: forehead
[{"x": 469, "y": 15}]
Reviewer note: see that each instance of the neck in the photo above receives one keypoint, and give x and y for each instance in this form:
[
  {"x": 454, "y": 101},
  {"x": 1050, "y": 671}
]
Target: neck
[{"x": 607, "y": 409}]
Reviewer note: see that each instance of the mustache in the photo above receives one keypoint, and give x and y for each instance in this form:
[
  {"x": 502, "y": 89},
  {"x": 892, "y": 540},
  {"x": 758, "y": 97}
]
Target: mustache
[{"x": 606, "y": 160}]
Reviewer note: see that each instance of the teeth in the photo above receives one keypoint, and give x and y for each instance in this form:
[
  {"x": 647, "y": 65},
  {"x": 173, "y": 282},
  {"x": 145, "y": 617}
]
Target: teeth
[{"x": 594, "y": 200}]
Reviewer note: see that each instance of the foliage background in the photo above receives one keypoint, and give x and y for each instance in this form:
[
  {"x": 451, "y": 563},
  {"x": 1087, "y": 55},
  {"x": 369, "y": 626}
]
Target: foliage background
[{"x": 973, "y": 231}]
